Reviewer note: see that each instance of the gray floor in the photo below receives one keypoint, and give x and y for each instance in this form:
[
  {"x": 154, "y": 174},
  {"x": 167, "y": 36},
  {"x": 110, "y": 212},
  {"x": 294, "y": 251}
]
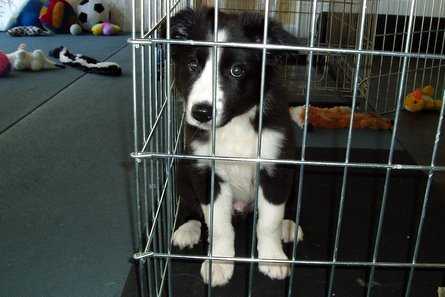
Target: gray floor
[{"x": 64, "y": 206}]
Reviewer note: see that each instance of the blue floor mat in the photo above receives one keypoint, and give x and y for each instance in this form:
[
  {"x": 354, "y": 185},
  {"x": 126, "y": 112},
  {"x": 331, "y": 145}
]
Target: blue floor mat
[
  {"x": 21, "y": 92},
  {"x": 64, "y": 207}
]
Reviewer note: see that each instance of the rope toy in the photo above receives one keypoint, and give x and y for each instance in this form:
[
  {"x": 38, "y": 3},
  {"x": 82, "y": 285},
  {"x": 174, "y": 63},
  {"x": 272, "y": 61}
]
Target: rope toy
[
  {"x": 85, "y": 63},
  {"x": 338, "y": 117}
]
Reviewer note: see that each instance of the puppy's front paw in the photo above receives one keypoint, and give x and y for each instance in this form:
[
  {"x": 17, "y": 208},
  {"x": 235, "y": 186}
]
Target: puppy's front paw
[
  {"x": 221, "y": 272},
  {"x": 288, "y": 232},
  {"x": 275, "y": 270},
  {"x": 187, "y": 235}
]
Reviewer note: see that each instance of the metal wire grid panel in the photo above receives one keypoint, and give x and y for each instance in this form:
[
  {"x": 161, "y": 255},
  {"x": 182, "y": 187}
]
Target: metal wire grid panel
[
  {"x": 427, "y": 36},
  {"x": 159, "y": 119}
]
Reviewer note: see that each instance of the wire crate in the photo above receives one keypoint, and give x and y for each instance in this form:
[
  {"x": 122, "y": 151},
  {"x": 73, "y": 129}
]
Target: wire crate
[{"x": 364, "y": 53}]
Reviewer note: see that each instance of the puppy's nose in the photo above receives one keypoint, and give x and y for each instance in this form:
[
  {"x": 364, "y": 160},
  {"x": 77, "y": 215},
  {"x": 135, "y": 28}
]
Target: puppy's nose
[{"x": 202, "y": 112}]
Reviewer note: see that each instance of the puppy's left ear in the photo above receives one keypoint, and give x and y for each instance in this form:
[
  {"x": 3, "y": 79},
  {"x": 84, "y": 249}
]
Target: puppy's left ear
[
  {"x": 277, "y": 35},
  {"x": 180, "y": 25},
  {"x": 253, "y": 27}
]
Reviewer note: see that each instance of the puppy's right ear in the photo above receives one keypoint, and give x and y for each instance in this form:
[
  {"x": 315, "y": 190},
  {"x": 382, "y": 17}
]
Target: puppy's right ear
[{"x": 180, "y": 25}]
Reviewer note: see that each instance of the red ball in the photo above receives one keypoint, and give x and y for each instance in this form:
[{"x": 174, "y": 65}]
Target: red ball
[{"x": 5, "y": 65}]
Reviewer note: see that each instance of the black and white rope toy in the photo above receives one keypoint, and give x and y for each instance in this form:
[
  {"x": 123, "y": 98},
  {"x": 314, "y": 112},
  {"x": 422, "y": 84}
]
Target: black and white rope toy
[
  {"x": 85, "y": 63},
  {"x": 28, "y": 31}
]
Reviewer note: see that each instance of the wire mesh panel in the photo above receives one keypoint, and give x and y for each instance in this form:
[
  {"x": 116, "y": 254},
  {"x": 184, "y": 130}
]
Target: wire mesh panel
[
  {"x": 391, "y": 35},
  {"x": 370, "y": 53}
]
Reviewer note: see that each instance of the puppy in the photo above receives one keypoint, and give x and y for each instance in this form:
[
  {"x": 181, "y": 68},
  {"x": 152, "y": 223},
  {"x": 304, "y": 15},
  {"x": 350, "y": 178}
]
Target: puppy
[{"x": 236, "y": 121}]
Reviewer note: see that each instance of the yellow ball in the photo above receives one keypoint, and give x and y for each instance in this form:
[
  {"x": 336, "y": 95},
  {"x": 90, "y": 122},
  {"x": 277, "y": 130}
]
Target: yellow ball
[{"x": 97, "y": 29}]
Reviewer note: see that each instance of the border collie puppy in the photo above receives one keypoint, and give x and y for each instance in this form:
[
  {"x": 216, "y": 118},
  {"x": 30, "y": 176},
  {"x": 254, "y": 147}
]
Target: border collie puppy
[{"x": 236, "y": 120}]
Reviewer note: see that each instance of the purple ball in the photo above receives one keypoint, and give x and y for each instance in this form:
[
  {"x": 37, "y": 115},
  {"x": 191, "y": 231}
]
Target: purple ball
[
  {"x": 107, "y": 29},
  {"x": 5, "y": 65}
]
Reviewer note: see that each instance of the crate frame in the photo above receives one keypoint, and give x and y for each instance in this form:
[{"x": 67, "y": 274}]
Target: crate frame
[{"x": 157, "y": 142}]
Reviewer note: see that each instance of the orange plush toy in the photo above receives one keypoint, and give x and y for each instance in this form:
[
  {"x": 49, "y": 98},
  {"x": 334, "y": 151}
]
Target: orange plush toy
[
  {"x": 338, "y": 117},
  {"x": 421, "y": 99},
  {"x": 57, "y": 16}
]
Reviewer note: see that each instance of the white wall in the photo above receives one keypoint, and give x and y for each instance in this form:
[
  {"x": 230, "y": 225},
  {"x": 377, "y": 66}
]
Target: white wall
[{"x": 434, "y": 8}]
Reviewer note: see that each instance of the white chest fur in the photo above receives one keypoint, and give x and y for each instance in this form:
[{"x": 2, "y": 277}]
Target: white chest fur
[{"x": 239, "y": 139}]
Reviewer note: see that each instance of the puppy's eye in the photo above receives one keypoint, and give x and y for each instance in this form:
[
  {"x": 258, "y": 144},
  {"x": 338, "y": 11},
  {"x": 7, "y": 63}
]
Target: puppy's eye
[
  {"x": 237, "y": 71},
  {"x": 193, "y": 66}
]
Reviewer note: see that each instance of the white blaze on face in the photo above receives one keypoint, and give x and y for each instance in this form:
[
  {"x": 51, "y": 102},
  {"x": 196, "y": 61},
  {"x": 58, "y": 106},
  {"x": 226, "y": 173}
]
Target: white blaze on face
[{"x": 201, "y": 91}]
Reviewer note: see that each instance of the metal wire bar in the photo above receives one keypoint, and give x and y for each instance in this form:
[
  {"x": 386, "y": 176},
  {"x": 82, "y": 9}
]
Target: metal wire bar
[
  {"x": 169, "y": 131},
  {"x": 259, "y": 141},
  {"x": 157, "y": 214},
  {"x": 388, "y": 172},
  {"x": 139, "y": 227},
  {"x": 213, "y": 163},
  {"x": 368, "y": 43},
  {"x": 348, "y": 150},
  {"x": 377, "y": 100},
  {"x": 166, "y": 267},
  {"x": 393, "y": 48},
  {"x": 419, "y": 47},
  {"x": 153, "y": 128},
  {"x": 161, "y": 285},
  {"x": 144, "y": 108},
  {"x": 158, "y": 24},
  {"x": 391, "y": 153},
  {"x": 435, "y": 43},
  {"x": 425, "y": 198},
  {"x": 163, "y": 138},
  {"x": 379, "y": 230},
  {"x": 405, "y": 84},
  {"x": 317, "y": 263},
  {"x": 290, "y": 162},
  {"x": 287, "y": 48},
  {"x": 144, "y": 115},
  {"x": 164, "y": 190},
  {"x": 152, "y": 85},
  {"x": 152, "y": 277},
  {"x": 369, "y": 60},
  {"x": 303, "y": 146},
  {"x": 442, "y": 47},
  {"x": 428, "y": 40},
  {"x": 142, "y": 23},
  {"x": 158, "y": 244}
]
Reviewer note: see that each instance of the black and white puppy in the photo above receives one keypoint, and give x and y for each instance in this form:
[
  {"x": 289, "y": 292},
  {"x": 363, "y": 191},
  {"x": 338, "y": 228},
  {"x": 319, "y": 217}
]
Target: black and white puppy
[{"x": 237, "y": 117}]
